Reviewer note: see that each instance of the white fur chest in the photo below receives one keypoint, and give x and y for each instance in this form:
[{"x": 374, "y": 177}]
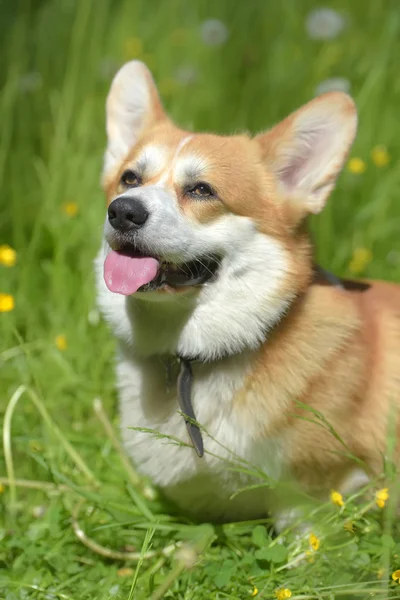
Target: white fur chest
[
  {"x": 234, "y": 437},
  {"x": 200, "y": 486}
]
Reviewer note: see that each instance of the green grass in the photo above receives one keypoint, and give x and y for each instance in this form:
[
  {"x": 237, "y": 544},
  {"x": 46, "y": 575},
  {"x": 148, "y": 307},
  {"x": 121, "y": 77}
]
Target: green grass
[{"x": 51, "y": 147}]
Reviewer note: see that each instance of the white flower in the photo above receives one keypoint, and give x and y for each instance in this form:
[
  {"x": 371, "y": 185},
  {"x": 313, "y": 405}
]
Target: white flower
[
  {"x": 324, "y": 24},
  {"x": 335, "y": 84},
  {"x": 113, "y": 591},
  {"x": 188, "y": 555},
  {"x": 214, "y": 32},
  {"x": 38, "y": 511},
  {"x": 186, "y": 74},
  {"x": 30, "y": 82}
]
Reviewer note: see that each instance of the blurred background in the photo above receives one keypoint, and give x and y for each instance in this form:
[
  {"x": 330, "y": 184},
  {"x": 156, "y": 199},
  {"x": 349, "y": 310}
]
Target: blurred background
[{"x": 221, "y": 66}]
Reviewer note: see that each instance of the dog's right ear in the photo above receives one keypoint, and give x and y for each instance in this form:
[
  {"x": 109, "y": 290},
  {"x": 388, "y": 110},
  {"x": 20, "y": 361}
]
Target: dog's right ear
[{"x": 132, "y": 105}]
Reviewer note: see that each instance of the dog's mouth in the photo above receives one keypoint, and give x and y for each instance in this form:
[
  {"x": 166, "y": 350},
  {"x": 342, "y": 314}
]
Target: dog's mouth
[{"x": 127, "y": 271}]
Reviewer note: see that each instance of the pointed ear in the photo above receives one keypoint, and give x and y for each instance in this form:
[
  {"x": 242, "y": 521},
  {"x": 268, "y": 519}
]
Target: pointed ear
[
  {"x": 307, "y": 150},
  {"x": 133, "y": 104}
]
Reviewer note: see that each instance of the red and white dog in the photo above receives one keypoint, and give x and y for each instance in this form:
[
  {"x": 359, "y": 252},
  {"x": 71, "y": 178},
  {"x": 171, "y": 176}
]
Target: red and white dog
[{"x": 206, "y": 257}]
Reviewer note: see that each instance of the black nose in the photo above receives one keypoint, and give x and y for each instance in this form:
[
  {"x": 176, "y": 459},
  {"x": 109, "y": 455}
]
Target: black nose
[{"x": 127, "y": 213}]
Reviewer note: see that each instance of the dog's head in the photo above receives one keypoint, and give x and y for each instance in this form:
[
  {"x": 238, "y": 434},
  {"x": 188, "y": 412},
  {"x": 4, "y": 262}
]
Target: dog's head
[{"x": 213, "y": 225}]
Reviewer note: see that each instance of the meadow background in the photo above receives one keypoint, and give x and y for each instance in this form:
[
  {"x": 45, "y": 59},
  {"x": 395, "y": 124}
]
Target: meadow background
[{"x": 223, "y": 66}]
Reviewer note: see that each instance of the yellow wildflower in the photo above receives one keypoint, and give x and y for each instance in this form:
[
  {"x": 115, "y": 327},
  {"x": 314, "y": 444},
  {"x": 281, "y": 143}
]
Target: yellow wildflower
[
  {"x": 337, "y": 498},
  {"x": 8, "y": 256},
  {"x": 380, "y": 573},
  {"x": 70, "y": 209},
  {"x": 380, "y": 156},
  {"x": 356, "y": 166},
  {"x": 6, "y": 302},
  {"x": 2, "y": 488},
  {"x": 133, "y": 48},
  {"x": 283, "y": 593},
  {"x": 254, "y": 593},
  {"x": 314, "y": 541},
  {"x": 360, "y": 260},
  {"x": 124, "y": 572},
  {"x": 381, "y": 496},
  {"x": 396, "y": 575},
  {"x": 61, "y": 342},
  {"x": 179, "y": 37}
]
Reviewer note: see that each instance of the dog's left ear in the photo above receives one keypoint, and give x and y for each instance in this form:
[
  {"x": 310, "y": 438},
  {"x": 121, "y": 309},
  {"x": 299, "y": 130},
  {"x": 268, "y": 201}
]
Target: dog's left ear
[
  {"x": 133, "y": 104},
  {"x": 307, "y": 150}
]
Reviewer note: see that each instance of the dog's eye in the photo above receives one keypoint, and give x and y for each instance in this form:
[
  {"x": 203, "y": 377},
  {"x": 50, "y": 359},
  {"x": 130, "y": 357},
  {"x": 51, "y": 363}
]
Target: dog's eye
[
  {"x": 130, "y": 179},
  {"x": 202, "y": 190}
]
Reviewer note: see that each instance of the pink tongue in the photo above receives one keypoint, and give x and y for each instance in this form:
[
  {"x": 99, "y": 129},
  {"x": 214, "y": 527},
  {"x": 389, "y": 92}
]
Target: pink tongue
[{"x": 125, "y": 275}]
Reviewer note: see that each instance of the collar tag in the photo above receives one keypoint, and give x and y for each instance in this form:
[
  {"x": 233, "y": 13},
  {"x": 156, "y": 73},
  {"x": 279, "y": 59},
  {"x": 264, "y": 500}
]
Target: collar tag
[{"x": 184, "y": 387}]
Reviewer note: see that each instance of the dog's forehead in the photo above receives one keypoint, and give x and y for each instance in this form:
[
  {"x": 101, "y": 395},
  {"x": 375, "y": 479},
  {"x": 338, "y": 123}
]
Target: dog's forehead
[
  {"x": 191, "y": 156},
  {"x": 158, "y": 156}
]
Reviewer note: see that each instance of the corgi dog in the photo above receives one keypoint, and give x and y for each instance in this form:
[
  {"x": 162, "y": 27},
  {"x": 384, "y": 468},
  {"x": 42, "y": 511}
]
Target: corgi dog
[{"x": 228, "y": 335}]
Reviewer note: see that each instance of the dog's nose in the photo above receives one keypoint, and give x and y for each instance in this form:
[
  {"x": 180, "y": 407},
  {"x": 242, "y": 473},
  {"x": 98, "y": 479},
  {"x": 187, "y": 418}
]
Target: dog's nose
[{"x": 127, "y": 213}]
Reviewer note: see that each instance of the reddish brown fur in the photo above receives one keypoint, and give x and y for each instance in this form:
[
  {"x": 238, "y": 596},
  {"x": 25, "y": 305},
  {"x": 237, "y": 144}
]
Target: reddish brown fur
[{"x": 337, "y": 352}]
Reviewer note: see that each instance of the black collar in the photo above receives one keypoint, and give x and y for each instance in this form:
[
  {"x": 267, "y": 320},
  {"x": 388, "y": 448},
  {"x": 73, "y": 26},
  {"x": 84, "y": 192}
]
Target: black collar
[{"x": 185, "y": 377}]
